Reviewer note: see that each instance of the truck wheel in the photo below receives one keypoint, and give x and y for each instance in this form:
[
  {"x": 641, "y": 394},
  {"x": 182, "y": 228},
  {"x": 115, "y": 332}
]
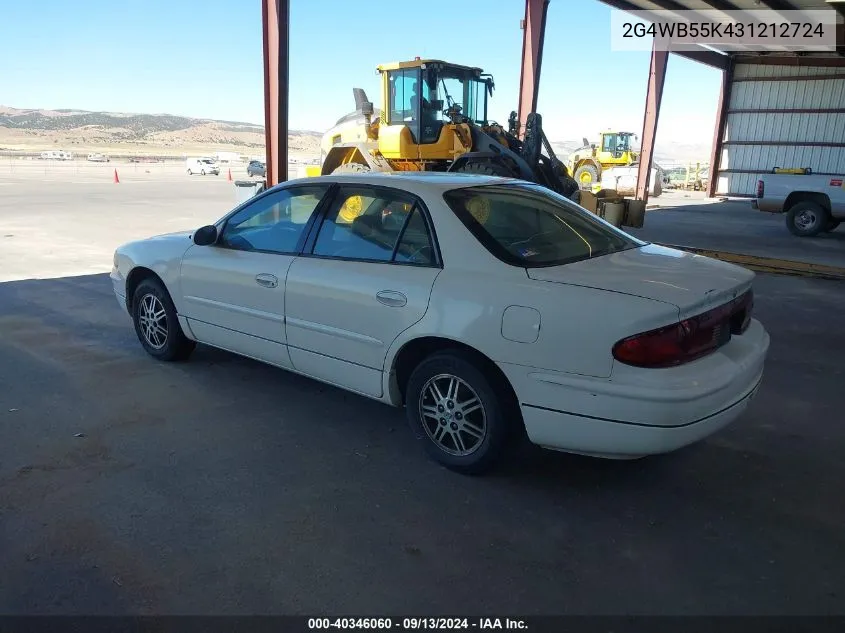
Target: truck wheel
[
  {"x": 806, "y": 219},
  {"x": 831, "y": 225},
  {"x": 586, "y": 175}
]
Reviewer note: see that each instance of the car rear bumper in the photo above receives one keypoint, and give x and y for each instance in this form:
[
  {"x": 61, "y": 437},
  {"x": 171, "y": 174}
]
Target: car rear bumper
[
  {"x": 641, "y": 412},
  {"x": 614, "y": 439}
]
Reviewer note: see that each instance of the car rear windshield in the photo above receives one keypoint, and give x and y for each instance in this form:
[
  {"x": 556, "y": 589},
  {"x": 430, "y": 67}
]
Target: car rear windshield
[{"x": 530, "y": 226}]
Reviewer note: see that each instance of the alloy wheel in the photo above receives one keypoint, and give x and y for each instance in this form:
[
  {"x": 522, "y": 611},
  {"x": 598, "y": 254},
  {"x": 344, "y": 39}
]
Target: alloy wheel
[
  {"x": 452, "y": 415},
  {"x": 152, "y": 319}
]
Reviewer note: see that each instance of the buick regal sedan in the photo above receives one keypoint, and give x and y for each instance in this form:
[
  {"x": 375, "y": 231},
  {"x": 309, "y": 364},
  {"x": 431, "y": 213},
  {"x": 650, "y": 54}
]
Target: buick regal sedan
[{"x": 489, "y": 309}]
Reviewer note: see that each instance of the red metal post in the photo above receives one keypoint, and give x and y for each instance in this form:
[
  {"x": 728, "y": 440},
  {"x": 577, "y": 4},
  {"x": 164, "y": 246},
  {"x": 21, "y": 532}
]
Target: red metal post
[
  {"x": 656, "y": 79},
  {"x": 533, "y": 34},
  {"x": 275, "y": 18},
  {"x": 719, "y": 130}
]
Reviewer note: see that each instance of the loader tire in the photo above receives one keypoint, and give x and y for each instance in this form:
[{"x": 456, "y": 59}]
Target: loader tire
[
  {"x": 485, "y": 169},
  {"x": 587, "y": 175},
  {"x": 352, "y": 168}
]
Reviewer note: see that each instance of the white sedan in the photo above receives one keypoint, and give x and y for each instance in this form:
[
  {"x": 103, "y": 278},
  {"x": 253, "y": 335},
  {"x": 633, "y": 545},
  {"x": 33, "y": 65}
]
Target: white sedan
[{"x": 487, "y": 308}]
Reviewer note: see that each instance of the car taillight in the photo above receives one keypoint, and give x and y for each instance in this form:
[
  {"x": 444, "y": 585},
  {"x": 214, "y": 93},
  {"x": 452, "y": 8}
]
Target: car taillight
[
  {"x": 688, "y": 340},
  {"x": 761, "y": 188}
]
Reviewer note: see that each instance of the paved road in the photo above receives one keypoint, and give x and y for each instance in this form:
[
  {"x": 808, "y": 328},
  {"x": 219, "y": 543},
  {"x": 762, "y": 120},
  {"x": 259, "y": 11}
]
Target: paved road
[
  {"x": 735, "y": 227},
  {"x": 225, "y": 486}
]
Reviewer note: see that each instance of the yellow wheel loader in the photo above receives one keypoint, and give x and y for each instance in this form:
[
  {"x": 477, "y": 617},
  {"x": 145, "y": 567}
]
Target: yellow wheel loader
[
  {"x": 434, "y": 118},
  {"x": 613, "y": 150}
]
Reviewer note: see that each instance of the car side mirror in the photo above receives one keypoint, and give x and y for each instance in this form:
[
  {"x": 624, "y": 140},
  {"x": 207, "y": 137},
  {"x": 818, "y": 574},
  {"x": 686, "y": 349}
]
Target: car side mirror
[{"x": 206, "y": 236}]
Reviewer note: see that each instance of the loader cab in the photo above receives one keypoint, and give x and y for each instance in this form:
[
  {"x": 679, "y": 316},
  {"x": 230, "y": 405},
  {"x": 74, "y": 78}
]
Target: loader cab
[
  {"x": 426, "y": 95},
  {"x": 615, "y": 146}
]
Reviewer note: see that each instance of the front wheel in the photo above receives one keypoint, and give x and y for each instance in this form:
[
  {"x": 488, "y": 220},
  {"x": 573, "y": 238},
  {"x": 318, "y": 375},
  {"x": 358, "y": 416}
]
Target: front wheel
[
  {"x": 459, "y": 412},
  {"x": 156, "y": 323}
]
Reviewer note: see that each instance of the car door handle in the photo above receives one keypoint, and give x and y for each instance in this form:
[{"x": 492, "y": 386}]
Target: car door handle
[
  {"x": 267, "y": 280},
  {"x": 392, "y": 298}
]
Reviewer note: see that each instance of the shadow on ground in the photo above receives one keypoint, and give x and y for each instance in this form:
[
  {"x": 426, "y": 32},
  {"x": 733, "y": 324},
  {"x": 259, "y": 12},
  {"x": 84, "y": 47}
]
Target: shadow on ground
[{"x": 224, "y": 486}]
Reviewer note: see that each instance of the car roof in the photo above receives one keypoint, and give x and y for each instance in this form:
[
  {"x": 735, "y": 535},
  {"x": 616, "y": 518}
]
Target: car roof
[{"x": 418, "y": 182}]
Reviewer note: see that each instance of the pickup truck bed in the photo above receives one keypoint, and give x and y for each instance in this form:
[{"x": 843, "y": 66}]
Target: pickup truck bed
[{"x": 812, "y": 203}]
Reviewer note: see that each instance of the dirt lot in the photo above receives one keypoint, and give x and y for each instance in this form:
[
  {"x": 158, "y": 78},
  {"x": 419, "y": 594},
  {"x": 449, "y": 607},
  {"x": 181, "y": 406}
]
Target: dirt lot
[{"x": 225, "y": 486}]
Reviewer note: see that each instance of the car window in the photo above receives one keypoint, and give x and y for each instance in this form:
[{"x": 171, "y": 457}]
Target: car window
[
  {"x": 528, "y": 225},
  {"x": 275, "y": 222},
  {"x": 367, "y": 223},
  {"x": 415, "y": 245}
]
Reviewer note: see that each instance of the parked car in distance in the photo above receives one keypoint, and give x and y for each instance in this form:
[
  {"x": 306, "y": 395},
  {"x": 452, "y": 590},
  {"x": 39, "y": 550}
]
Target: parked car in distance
[
  {"x": 98, "y": 158},
  {"x": 202, "y": 166},
  {"x": 813, "y": 203},
  {"x": 256, "y": 168},
  {"x": 488, "y": 308}
]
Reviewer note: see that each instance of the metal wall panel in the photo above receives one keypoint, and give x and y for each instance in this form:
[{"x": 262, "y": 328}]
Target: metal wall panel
[
  {"x": 767, "y": 128},
  {"x": 792, "y": 128},
  {"x": 823, "y": 94}
]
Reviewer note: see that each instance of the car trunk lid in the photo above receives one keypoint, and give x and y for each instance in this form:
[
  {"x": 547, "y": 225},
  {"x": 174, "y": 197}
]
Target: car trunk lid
[{"x": 690, "y": 282}]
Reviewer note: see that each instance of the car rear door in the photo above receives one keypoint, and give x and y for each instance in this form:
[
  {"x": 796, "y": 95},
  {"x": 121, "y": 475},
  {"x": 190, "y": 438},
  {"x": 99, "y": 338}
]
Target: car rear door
[
  {"x": 234, "y": 291},
  {"x": 364, "y": 277}
]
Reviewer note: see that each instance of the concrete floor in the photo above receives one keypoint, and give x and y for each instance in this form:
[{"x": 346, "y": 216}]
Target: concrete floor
[
  {"x": 734, "y": 226},
  {"x": 223, "y": 486}
]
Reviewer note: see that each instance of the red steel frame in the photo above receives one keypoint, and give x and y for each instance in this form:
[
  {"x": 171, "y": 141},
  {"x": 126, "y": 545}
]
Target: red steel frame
[
  {"x": 534, "y": 30},
  {"x": 654, "y": 96},
  {"x": 275, "y": 27},
  {"x": 719, "y": 129}
]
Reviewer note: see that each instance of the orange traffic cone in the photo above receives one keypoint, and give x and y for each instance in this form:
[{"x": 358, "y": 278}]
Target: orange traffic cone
[
  {"x": 116, "y": 179},
  {"x": 229, "y": 178}
]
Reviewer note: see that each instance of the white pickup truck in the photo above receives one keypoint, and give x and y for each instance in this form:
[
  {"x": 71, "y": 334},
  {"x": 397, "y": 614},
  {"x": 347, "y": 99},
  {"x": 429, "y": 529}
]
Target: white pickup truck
[{"x": 813, "y": 203}]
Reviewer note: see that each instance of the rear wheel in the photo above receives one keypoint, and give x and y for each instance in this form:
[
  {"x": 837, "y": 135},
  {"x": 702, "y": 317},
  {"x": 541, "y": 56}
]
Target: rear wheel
[
  {"x": 807, "y": 218},
  {"x": 461, "y": 413},
  {"x": 485, "y": 168},
  {"x": 352, "y": 168},
  {"x": 586, "y": 175},
  {"x": 157, "y": 324}
]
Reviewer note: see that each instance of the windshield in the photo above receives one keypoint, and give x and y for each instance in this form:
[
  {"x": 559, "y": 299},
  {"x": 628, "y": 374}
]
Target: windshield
[
  {"x": 444, "y": 87},
  {"x": 530, "y": 226}
]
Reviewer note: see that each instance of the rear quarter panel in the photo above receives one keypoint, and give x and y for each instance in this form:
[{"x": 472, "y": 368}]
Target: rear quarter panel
[{"x": 578, "y": 326}]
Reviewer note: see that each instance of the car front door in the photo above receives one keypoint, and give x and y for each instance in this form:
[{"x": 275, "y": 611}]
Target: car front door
[
  {"x": 234, "y": 291},
  {"x": 365, "y": 276}
]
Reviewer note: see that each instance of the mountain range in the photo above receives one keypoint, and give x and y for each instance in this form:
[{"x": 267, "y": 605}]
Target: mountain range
[{"x": 116, "y": 132}]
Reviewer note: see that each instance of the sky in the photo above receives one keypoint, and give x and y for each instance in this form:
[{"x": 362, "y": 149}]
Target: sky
[{"x": 204, "y": 59}]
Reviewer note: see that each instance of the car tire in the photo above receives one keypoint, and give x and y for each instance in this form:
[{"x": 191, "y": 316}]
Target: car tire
[
  {"x": 806, "y": 218},
  {"x": 149, "y": 300},
  {"x": 831, "y": 225},
  {"x": 477, "y": 417}
]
